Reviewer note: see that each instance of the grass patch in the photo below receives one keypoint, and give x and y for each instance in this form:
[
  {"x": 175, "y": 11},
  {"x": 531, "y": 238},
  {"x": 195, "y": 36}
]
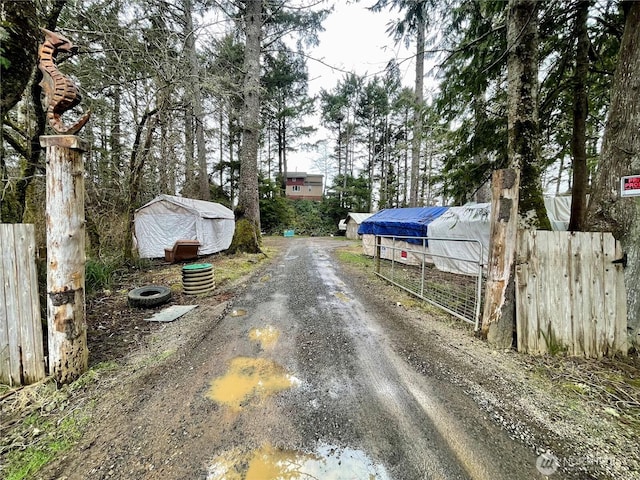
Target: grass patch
[
  {"x": 354, "y": 256},
  {"x": 101, "y": 274},
  {"x": 51, "y": 421},
  {"x": 48, "y": 439},
  {"x": 229, "y": 268}
]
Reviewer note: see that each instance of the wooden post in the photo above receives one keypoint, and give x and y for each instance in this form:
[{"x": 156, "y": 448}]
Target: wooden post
[
  {"x": 499, "y": 306},
  {"x": 68, "y": 353}
]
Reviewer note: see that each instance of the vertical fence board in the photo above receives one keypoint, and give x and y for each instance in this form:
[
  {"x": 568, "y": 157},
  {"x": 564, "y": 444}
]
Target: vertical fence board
[
  {"x": 31, "y": 327},
  {"x": 572, "y": 296},
  {"x": 5, "y": 357},
  {"x": 12, "y": 376},
  {"x": 22, "y": 356}
]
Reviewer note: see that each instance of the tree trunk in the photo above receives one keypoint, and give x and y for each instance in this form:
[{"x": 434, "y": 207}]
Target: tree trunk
[
  {"x": 523, "y": 141},
  {"x": 620, "y": 156},
  {"x": 189, "y": 187},
  {"x": 136, "y": 165},
  {"x": 499, "y": 307},
  {"x": 580, "y": 112},
  {"x": 416, "y": 142},
  {"x": 196, "y": 102},
  {"x": 68, "y": 353},
  {"x": 509, "y": 188},
  {"x": 248, "y": 199}
]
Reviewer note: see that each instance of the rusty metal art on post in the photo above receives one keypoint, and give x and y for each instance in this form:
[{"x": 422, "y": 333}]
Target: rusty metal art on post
[{"x": 60, "y": 93}]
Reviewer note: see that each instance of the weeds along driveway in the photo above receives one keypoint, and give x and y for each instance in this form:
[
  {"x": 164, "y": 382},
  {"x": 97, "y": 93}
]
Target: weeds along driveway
[{"x": 313, "y": 372}]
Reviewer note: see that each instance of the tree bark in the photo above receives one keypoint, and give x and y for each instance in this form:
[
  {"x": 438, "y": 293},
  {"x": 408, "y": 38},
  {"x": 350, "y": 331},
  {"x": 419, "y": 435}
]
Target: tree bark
[
  {"x": 580, "y": 112},
  {"x": 416, "y": 142},
  {"x": 499, "y": 307},
  {"x": 510, "y": 188},
  {"x": 248, "y": 199},
  {"x": 620, "y": 156},
  {"x": 523, "y": 136},
  {"x": 136, "y": 165},
  {"x": 189, "y": 187},
  {"x": 196, "y": 102},
  {"x": 68, "y": 353}
]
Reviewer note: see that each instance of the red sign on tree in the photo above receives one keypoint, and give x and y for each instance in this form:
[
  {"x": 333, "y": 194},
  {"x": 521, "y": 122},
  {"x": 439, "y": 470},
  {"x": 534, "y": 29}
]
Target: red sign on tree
[{"x": 630, "y": 186}]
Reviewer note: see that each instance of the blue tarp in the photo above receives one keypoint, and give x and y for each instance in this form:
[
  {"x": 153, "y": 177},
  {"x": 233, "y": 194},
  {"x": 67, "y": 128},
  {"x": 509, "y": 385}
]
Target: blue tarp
[{"x": 402, "y": 222}]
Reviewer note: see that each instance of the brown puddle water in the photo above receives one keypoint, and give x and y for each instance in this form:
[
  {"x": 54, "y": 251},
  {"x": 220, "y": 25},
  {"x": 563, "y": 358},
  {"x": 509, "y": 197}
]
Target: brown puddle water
[
  {"x": 269, "y": 463},
  {"x": 342, "y": 297},
  {"x": 238, "y": 312},
  {"x": 267, "y": 337},
  {"x": 250, "y": 379}
]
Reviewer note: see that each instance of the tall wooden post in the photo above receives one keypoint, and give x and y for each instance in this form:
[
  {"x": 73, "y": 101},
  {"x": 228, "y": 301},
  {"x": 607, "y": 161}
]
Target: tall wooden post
[
  {"x": 499, "y": 305},
  {"x": 68, "y": 353}
]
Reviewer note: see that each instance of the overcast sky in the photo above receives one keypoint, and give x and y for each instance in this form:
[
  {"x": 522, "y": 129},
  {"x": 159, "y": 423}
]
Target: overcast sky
[{"x": 354, "y": 40}]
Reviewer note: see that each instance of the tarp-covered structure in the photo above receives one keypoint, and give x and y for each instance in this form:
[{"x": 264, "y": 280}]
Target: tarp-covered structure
[
  {"x": 352, "y": 223},
  {"x": 471, "y": 222},
  {"x": 559, "y": 211},
  {"x": 470, "y": 225},
  {"x": 166, "y": 219},
  {"x": 399, "y": 222}
]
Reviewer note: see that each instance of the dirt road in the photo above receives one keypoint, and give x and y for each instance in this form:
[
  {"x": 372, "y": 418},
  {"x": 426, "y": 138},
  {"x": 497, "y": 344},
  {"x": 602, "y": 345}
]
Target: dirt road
[{"x": 306, "y": 375}]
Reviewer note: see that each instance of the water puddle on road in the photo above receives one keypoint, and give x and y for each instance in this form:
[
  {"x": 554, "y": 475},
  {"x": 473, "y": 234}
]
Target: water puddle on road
[
  {"x": 238, "y": 312},
  {"x": 328, "y": 462},
  {"x": 267, "y": 337},
  {"x": 250, "y": 380}
]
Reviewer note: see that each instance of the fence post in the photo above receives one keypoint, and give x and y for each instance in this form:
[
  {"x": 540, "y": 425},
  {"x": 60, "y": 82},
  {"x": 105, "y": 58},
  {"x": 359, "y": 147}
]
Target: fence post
[
  {"x": 67, "y": 328},
  {"x": 499, "y": 307},
  {"x": 378, "y": 241}
]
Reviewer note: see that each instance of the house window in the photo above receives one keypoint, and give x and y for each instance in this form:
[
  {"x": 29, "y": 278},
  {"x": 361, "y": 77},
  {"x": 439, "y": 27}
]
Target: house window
[{"x": 296, "y": 188}]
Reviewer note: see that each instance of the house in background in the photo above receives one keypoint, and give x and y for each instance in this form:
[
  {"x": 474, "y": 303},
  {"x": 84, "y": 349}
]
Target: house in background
[{"x": 304, "y": 186}]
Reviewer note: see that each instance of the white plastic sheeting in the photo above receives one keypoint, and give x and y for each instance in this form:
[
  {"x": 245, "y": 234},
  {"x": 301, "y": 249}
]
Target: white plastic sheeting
[
  {"x": 470, "y": 222},
  {"x": 559, "y": 211},
  {"x": 396, "y": 249},
  {"x": 166, "y": 219}
]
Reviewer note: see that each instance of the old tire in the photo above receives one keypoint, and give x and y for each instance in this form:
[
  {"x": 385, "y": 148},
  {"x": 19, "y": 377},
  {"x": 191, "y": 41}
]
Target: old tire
[{"x": 149, "y": 296}]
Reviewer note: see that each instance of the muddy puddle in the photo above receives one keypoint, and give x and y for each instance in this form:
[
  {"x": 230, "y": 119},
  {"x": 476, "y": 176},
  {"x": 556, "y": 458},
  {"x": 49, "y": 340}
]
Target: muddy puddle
[
  {"x": 327, "y": 462},
  {"x": 249, "y": 381},
  {"x": 267, "y": 337},
  {"x": 342, "y": 297},
  {"x": 238, "y": 312}
]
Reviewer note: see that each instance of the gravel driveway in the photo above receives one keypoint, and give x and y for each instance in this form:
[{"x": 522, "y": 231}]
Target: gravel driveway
[{"x": 307, "y": 374}]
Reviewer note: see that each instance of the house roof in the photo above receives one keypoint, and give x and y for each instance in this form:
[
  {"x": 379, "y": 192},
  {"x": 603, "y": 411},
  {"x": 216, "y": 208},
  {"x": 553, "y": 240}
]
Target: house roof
[
  {"x": 199, "y": 207},
  {"x": 303, "y": 175}
]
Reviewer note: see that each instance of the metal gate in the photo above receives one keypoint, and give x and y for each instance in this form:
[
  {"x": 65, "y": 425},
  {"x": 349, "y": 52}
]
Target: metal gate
[{"x": 444, "y": 278}]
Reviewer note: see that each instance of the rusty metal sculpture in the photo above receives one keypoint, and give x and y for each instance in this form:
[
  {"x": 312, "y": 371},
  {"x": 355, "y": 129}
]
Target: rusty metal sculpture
[{"x": 60, "y": 93}]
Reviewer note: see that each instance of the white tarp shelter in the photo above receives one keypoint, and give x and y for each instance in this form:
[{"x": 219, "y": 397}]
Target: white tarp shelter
[
  {"x": 166, "y": 219},
  {"x": 470, "y": 222},
  {"x": 559, "y": 211},
  {"x": 353, "y": 222}
]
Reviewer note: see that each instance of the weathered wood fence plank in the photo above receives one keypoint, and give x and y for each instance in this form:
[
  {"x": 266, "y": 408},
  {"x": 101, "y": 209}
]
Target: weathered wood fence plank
[
  {"x": 21, "y": 345},
  {"x": 570, "y": 296}
]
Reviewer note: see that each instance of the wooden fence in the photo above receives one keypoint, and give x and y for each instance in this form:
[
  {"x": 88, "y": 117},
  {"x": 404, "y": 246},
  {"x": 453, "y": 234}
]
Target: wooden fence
[
  {"x": 21, "y": 347},
  {"x": 570, "y": 296}
]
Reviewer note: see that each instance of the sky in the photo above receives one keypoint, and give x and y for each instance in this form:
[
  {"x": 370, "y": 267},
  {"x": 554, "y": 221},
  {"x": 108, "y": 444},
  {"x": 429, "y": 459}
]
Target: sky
[{"x": 354, "y": 39}]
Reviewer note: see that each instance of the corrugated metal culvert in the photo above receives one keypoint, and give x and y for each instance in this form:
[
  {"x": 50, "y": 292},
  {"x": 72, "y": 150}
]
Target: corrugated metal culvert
[{"x": 197, "y": 278}]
